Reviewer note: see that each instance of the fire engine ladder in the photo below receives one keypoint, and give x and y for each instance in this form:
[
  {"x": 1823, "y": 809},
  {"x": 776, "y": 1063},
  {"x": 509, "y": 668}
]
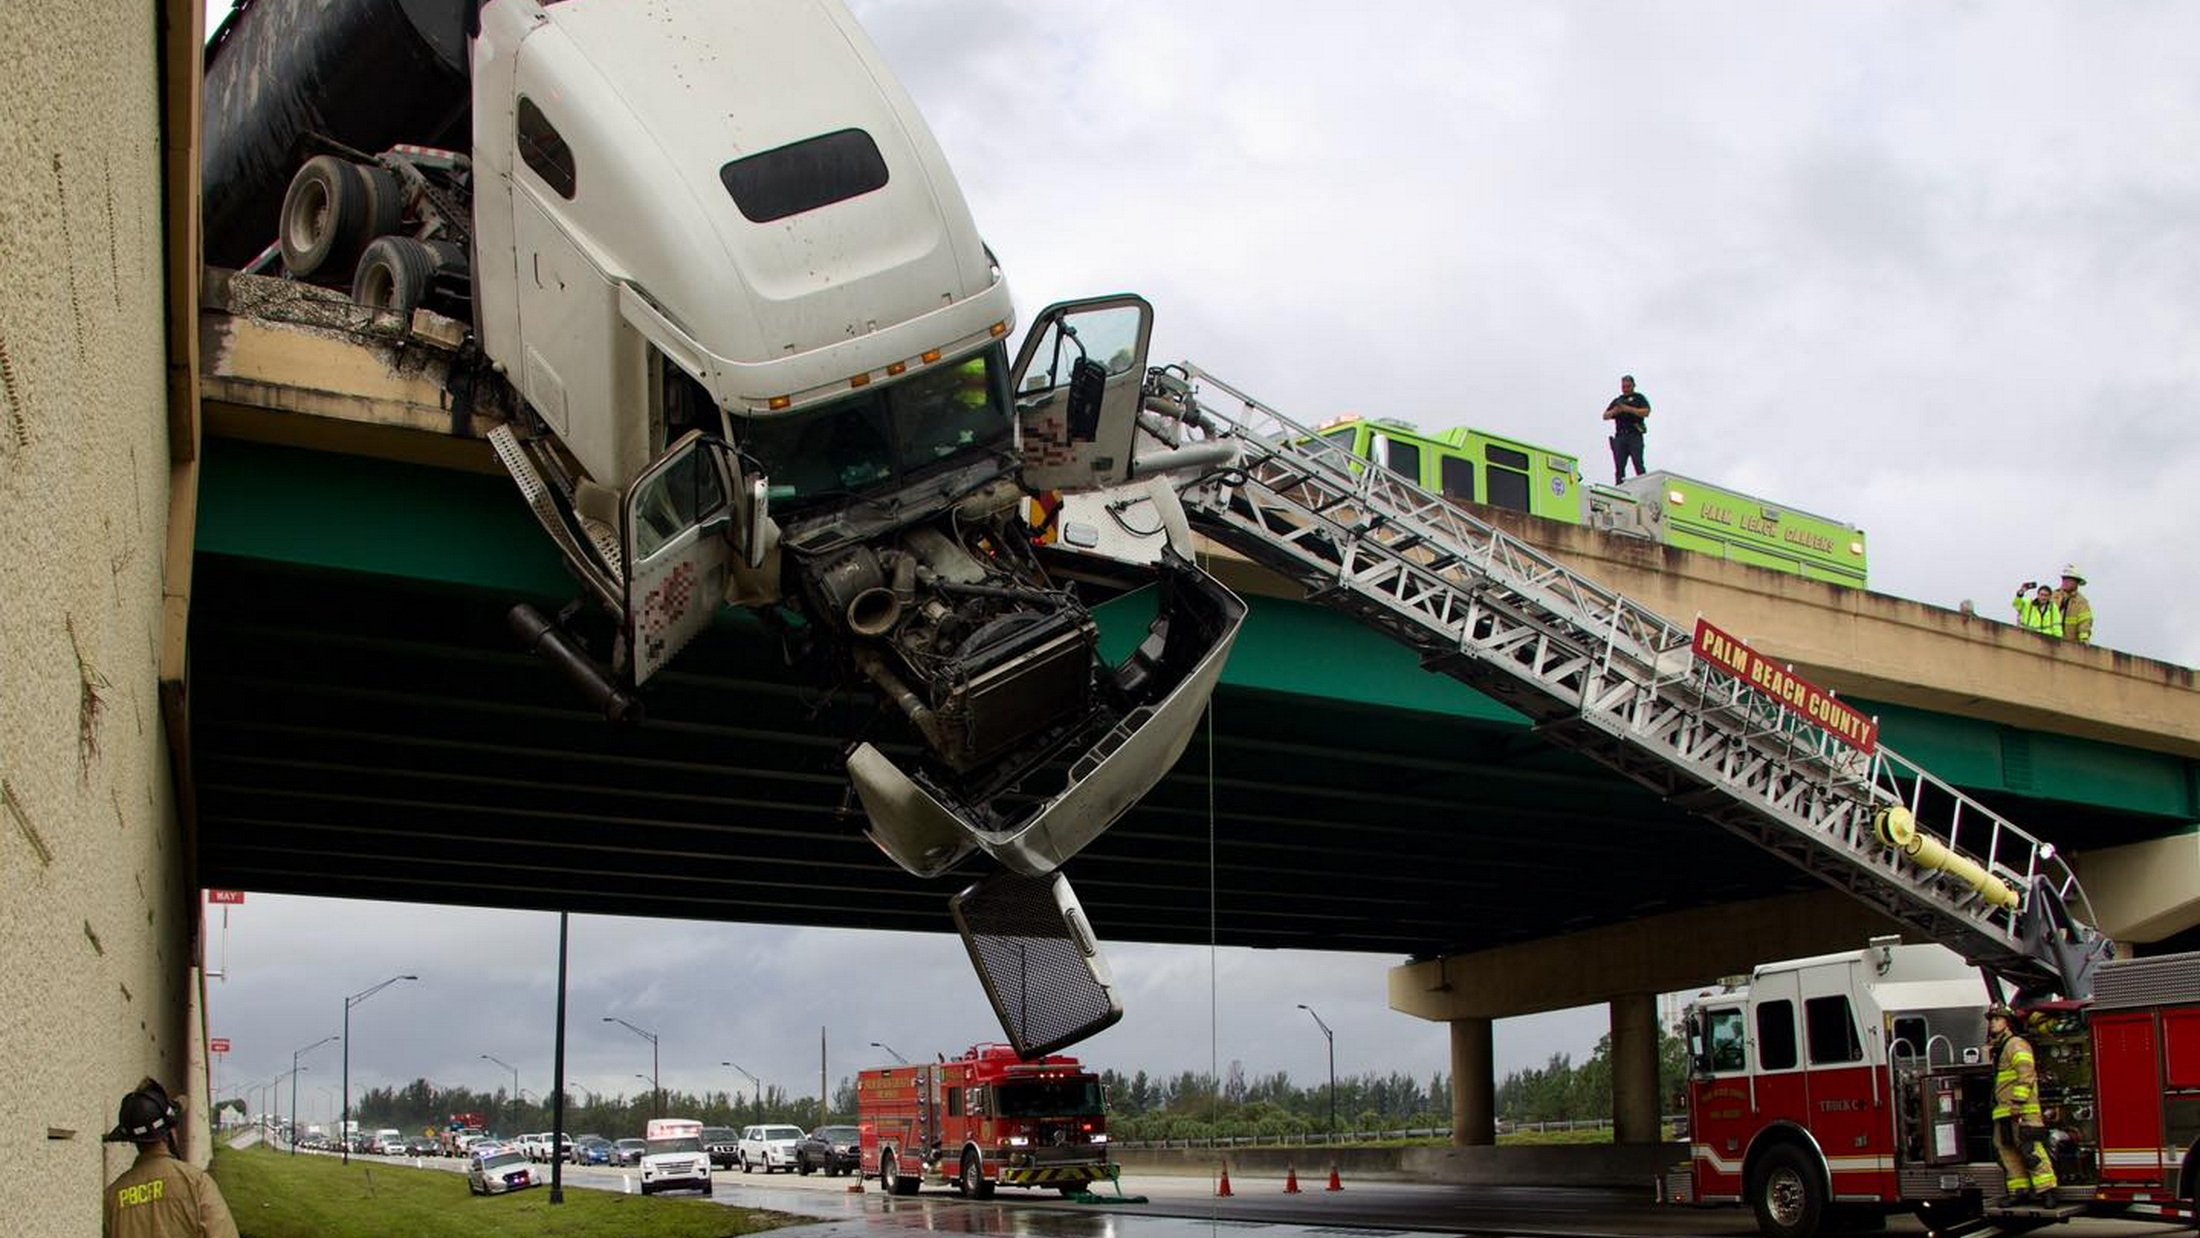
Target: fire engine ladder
[{"x": 1605, "y": 677}]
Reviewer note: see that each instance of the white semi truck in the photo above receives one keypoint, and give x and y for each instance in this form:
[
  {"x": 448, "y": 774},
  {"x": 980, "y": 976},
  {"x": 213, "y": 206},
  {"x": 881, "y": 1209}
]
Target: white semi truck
[{"x": 761, "y": 357}]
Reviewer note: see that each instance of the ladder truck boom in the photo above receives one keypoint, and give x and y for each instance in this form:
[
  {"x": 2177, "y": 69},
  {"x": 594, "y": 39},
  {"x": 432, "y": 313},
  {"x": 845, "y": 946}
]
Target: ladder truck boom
[{"x": 1613, "y": 680}]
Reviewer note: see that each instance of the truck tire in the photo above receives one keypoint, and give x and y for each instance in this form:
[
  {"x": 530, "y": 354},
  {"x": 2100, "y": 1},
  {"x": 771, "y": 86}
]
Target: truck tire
[
  {"x": 974, "y": 1182},
  {"x": 324, "y": 214},
  {"x": 393, "y": 274},
  {"x": 1788, "y": 1194},
  {"x": 385, "y": 213}
]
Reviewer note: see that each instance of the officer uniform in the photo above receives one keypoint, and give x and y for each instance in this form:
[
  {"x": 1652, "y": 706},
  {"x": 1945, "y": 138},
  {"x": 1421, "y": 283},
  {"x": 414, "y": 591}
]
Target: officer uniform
[
  {"x": 2018, "y": 1124},
  {"x": 159, "y": 1196},
  {"x": 2043, "y": 617}
]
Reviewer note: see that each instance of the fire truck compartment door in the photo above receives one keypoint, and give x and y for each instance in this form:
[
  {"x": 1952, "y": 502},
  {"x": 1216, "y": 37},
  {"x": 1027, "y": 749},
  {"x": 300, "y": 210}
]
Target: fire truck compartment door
[
  {"x": 1078, "y": 386},
  {"x": 1038, "y": 959}
]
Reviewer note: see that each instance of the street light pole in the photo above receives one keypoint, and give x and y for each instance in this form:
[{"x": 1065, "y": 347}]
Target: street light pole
[
  {"x": 757, "y": 1090},
  {"x": 880, "y": 1044},
  {"x": 515, "y": 1088},
  {"x": 343, "y": 1125},
  {"x": 294, "y": 1089},
  {"x": 656, "y": 1091},
  {"x": 1332, "y": 1038}
]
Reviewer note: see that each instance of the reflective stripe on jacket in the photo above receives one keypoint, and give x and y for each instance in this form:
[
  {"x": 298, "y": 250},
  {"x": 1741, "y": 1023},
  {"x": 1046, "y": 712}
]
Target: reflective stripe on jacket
[
  {"x": 2016, "y": 1082},
  {"x": 2076, "y": 618}
]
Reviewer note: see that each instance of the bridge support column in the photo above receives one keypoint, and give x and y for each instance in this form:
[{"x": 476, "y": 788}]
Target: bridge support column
[
  {"x": 1473, "y": 1083},
  {"x": 1634, "y": 1069}
]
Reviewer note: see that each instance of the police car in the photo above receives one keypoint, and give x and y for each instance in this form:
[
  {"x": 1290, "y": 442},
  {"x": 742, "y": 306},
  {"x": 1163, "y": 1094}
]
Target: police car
[{"x": 494, "y": 1169}]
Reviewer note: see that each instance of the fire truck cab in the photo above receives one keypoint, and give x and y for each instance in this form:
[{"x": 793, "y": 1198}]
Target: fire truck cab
[
  {"x": 985, "y": 1119},
  {"x": 1849, "y": 1086}
]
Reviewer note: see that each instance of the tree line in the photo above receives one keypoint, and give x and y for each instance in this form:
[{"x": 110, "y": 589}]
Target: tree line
[{"x": 1189, "y": 1105}]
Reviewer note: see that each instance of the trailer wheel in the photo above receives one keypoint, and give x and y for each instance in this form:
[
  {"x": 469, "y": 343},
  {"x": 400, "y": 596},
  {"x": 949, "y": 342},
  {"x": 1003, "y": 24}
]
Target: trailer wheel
[
  {"x": 1788, "y": 1194},
  {"x": 323, "y": 213},
  {"x": 974, "y": 1182},
  {"x": 385, "y": 212},
  {"x": 393, "y": 274}
]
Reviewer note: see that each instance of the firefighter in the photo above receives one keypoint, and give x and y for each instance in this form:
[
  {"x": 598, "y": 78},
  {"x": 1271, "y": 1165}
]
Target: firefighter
[
  {"x": 2076, "y": 611},
  {"x": 159, "y": 1195},
  {"x": 2020, "y": 1133}
]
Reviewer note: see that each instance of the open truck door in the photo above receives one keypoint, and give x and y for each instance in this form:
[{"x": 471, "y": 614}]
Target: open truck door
[
  {"x": 687, "y": 524},
  {"x": 1077, "y": 387}
]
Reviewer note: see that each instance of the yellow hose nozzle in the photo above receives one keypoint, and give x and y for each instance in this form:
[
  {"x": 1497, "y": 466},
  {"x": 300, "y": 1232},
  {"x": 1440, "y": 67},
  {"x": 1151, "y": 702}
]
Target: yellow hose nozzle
[{"x": 1897, "y": 828}]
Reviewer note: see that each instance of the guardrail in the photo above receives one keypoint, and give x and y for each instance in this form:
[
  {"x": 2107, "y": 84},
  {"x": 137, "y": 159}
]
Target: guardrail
[{"x": 1323, "y": 1138}]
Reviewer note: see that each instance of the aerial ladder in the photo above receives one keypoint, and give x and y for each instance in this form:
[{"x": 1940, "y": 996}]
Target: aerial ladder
[{"x": 1614, "y": 681}]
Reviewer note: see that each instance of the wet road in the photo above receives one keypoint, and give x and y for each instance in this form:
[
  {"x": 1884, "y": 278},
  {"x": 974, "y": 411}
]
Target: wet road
[{"x": 1178, "y": 1207}]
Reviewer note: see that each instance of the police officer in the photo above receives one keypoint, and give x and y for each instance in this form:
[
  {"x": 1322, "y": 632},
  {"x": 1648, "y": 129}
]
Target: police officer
[
  {"x": 160, "y": 1195},
  {"x": 2020, "y": 1133},
  {"x": 2042, "y": 612}
]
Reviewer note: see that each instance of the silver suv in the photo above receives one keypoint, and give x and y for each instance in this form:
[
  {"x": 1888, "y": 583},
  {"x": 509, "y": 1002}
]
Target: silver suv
[{"x": 767, "y": 1147}]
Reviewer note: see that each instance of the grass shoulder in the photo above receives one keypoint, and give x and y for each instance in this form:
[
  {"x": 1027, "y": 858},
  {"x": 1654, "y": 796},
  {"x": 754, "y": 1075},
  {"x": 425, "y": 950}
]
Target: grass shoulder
[{"x": 274, "y": 1195}]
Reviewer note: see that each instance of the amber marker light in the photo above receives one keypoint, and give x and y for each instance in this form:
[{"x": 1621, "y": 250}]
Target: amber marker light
[
  {"x": 929, "y": 355},
  {"x": 997, "y": 330},
  {"x": 897, "y": 369},
  {"x": 860, "y": 380},
  {"x": 779, "y": 402}
]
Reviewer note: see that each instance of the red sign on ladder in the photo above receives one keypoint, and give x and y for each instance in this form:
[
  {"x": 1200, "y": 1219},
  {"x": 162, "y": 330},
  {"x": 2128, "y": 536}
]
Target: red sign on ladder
[
  {"x": 218, "y": 1044},
  {"x": 225, "y": 896},
  {"x": 1795, "y": 694}
]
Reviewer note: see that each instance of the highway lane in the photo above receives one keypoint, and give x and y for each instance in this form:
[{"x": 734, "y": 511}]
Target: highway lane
[{"x": 1179, "y": 1206}]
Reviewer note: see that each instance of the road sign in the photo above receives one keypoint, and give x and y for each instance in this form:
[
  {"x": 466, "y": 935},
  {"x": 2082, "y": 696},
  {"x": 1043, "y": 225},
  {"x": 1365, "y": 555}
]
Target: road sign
[
  {"x": 225, "y": 896},
  {"x": 219, "y": 1044}
]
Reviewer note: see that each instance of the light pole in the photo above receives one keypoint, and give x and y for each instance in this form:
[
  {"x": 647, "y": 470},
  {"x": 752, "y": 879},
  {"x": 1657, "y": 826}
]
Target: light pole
[
  {"x": 656, "y": 1093},
  {"x": 880, "y": 1044},
  {"x": 343, "y": 1124},
  {"x": 1332, "y": 1038},
  {"x": 328, "y": 1101},
  {"x": 294, "y": 1068},
  {"x": 515, "y": 1088},
  {"x": 757, "y": 1090}
]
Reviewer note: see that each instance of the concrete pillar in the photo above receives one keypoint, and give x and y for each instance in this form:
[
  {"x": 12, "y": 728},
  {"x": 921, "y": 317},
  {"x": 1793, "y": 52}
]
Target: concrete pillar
[
  {"x": 1473, "y": 1084},
  {"x": 1634, "y": 1069}
]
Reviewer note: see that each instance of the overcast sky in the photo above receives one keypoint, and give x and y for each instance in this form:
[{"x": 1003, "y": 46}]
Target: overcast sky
[{"x": 1931, "y": 268}]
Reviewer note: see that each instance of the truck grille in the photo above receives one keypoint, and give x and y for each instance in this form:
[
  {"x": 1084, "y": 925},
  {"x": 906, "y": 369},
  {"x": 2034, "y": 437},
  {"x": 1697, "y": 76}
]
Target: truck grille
[
  {"x": 1038, "y": 977},
  {"x": 2127, "y": 983}
]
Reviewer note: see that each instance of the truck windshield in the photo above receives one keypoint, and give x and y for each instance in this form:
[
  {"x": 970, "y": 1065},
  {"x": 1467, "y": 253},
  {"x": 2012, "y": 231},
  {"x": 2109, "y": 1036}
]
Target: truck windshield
[
  {"x": 685, "y": 1143},
  {"x": 1052, "y": 1098},
  {"x": 882, "y": 438}
]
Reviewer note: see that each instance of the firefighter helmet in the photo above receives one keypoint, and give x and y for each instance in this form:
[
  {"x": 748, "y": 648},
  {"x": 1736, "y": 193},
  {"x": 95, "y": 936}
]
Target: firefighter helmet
[
  {"x": 2002, "y": 1012},
  {"x": 144, "y": 1115}
]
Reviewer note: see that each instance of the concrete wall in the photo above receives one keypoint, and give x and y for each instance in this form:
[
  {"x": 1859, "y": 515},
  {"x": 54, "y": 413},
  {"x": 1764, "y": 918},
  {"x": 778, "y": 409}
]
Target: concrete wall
[{"x": 96, "y": 986}]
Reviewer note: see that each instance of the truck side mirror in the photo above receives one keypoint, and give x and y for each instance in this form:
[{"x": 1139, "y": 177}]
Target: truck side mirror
[
  {"x": 1699, "y": 1053},
  {"x": 751, "y": 544}
]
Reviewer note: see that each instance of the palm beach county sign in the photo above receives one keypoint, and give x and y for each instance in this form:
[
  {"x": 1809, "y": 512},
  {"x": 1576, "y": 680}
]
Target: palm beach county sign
[{"x": 1795, "y": 694}]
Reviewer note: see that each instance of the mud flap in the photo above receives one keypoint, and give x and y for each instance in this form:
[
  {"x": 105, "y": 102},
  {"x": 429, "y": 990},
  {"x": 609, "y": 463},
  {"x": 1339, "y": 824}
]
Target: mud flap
[
  {"x": 927, "y": 831},
  {"x": 1038, "y": 960}
]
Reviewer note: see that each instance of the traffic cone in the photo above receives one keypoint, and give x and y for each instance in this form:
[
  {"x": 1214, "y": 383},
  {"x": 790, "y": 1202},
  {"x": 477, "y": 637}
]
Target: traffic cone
[
  {"x": 1223, "y": 1191},
  {"x": 1291, "y": 1180},
  {"x": 1335, "y": 1183}
]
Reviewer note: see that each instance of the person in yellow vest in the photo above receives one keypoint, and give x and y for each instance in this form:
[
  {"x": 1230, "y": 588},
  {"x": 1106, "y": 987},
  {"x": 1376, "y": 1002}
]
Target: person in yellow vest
[
  {"x": 159, "y": 1195},
  {"x": 2077, "y": 613},
  {"x": 2020, "y": 1133},
  {"x": 2041, "y": 612}
]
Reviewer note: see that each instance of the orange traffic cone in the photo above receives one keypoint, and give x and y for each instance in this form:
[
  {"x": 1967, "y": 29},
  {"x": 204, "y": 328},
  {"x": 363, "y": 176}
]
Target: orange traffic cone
[
  {"x": 1335, "y": 1183},
  {"x": 1223, "y": 1191},
  {"x": 1291, "y": 1180}
]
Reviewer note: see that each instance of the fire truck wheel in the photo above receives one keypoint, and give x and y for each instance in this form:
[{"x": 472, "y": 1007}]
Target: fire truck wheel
[
  {"x": 1788, "y": 1194},
  {"x": 974, "y": 1182}
]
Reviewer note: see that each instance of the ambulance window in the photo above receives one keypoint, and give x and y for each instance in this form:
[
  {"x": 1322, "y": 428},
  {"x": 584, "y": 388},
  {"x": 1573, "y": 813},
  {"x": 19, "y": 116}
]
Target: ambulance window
[
  {"x": 1726, "y": 1040},
  {"x": 1458, "y": 478},
  {"x": 1404, "y": 458},
  {"x": 1832, "y": 1031},
  {"x": 1344, "y": 439},
  {"x": 1508, "y": 475},
  {"x": 542, "y": 149},
  {"x": 1776, "y": 1035}
]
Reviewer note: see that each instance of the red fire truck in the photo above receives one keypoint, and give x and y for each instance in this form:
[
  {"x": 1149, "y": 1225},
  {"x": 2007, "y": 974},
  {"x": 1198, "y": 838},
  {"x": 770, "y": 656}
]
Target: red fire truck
[
  {"x": 985, "y": 1119},
  {"x": 1842, "y": 1088}
]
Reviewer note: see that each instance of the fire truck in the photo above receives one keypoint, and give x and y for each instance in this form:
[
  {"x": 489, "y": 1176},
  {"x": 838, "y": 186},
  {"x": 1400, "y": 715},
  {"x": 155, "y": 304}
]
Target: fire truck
[
  {"x": 1831, "y": 1090},
  {"x": 985, "y": 1119},
  {"x": 451, "y": 1139}
]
